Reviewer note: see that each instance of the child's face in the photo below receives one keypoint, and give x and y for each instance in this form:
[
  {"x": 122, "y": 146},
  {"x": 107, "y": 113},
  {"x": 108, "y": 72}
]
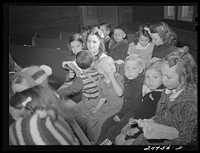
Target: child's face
[
  {"x": 156, "y": 39},
  {"x": 107, "y": 66},
  {"x": 118, "y": 35},
  {"x": 132, "y": 70},
  {"x": 170, "y": 77},
  {"x": 153, "y": 79},
  {"x": 76, "y": 46},
  {"x": 143, "y": 40},
  {"x": 104, "y": 30},
  {"x": 93, "y": 44}
]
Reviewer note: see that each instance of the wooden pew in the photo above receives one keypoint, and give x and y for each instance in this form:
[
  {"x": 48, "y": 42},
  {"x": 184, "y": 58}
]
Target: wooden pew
[
  {"x": 50, "y": 43},
  {"x": 26, "y": 56},
  {"x": 80, "y": 134}
]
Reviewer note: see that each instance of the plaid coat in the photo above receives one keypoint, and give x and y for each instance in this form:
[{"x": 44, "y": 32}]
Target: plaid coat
[{"x": 180, "y": 113}]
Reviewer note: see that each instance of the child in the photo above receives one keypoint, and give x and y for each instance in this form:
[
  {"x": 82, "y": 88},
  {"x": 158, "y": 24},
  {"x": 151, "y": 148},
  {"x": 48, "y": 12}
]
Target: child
[
  {"x": 111, "y": 85},
  {"x": 39, "y": 121},
  {"x": 84, "y": 32},
  {"x": 142, "y": 45},
  {"x": 106, "y": 29},
  {"x": 151, "y": 93},
  {"x": 164, "y": 39},
  {"x": 87, "y": 83},
  {"x": 178, "y": 104},
  {"x": 95, "y": 44},
  {"x": 27, "y": 78},
  {"x": 118, "y": 50},
  {"x": 75, "y": 45},
  {"x": 133, "y": 82}
]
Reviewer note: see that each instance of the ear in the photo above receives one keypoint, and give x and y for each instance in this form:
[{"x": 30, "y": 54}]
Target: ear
[
  {"x": 141, "y": 69},
  {"x": 124, "y": 35}
]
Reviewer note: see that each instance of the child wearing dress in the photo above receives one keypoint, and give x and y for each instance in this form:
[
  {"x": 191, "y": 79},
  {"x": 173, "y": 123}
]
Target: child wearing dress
[
  {"x": 95, "y": 43},
  {"x": 142, "y": 44},
  {"x": 118, "y": 49},
  {"x": 178, "y": 104},
  {"x": 111, "y": 86}
]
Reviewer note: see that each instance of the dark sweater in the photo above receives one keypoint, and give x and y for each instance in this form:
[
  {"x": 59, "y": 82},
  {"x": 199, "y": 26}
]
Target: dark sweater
[
  {"x": 146, "y": 109},
  {"x": 132, "y": 91},
  {"x": 119, "y": 50},
  {"x": 162, "y": 51}
]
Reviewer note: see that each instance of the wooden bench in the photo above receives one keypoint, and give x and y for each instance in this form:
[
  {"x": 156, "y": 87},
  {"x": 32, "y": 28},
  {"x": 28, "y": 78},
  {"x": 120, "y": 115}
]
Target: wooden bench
[{"x": 58, "y": 44}]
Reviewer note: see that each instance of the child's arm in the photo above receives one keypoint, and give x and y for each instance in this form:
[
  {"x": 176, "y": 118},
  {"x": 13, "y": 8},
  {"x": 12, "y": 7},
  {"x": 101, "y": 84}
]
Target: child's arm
[
  {"x": 74, "y": 88},
  {"x": 116, "y": 86},
  {"x": 99, "y": 105}
]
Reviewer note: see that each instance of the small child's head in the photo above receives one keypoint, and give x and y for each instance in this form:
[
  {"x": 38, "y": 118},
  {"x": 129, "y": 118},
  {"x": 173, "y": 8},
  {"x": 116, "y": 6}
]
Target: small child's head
[
  {"x": 105, "y": 28},
  {"x": 133, "y": 66},
  {"x": 106, "y": 65},
  {"x": 85, "y": 59},
  {"x": 76, "y": 43},
  {"x": 153, "y": 75},
  {"x": 26, "y": 102},
  {"x": 95, "y": 42},
  {"x": 161, "y": 33},
  {"x": 179, "y": 70},
  {"x": 119, "y": 34},
  {"x": 31, "y": 76},
  {"x": 142, "y": 36}
]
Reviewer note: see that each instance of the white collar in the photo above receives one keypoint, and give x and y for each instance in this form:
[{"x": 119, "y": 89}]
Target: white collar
[
  {"x": 138, "y": 46},
  {"x": 173, "y": 93}
]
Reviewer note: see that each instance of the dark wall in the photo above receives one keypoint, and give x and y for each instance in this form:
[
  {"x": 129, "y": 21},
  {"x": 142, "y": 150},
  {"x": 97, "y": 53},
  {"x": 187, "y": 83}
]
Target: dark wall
[{"x": 47, "y": 20}]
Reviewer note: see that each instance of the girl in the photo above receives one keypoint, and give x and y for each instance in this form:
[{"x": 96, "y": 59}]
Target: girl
[
  {"x": 142, "y": 45},
  {"x": 118, "y": 50},
  {"x": 164, "y": 39},
  {"x": 178, "y": 104},
  {"x": 95, "y": 43},
  {"x": 111, "y": 86}
]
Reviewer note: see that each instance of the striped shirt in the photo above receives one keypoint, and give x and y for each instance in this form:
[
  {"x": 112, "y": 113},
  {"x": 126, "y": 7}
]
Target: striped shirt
[
  {"x": 34, "y": 130},
  {"x": 90, "y": 84}
]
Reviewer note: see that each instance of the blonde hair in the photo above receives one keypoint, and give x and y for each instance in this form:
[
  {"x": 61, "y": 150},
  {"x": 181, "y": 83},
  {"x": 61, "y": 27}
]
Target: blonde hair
[
  {"x": 185, "y": 65},
  {"x": 137, "y": 58}
]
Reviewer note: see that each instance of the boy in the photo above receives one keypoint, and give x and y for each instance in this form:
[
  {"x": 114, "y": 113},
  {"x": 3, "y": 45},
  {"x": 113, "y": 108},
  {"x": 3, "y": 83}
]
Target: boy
[
  {"x": 106, "y": 29},
  {"x": 133, "y": 82},
  {"x": 87, "y": 82},
  {"x": 118, "y": 50}
]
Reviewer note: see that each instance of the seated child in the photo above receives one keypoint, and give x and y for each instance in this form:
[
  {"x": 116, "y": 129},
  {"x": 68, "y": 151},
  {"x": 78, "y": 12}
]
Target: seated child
[
  {"x": 106, "y": 29},
  {"x": 87, "y": 83},
  {"x": 177, "y": 106},
  {"x": 142, "y": 45},
  {"x": 111, "y": 86},
  {"x": 75, "y": 45},
  {"x": 133, "y": 82},
  {"x": 151, "y": 91},
  {"x": 118, "y": 50},
  {"x": 38, "y": 120}
]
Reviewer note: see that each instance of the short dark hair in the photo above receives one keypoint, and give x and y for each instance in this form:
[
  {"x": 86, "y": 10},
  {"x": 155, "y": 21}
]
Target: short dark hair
[{"x": 84, "y": 59}]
